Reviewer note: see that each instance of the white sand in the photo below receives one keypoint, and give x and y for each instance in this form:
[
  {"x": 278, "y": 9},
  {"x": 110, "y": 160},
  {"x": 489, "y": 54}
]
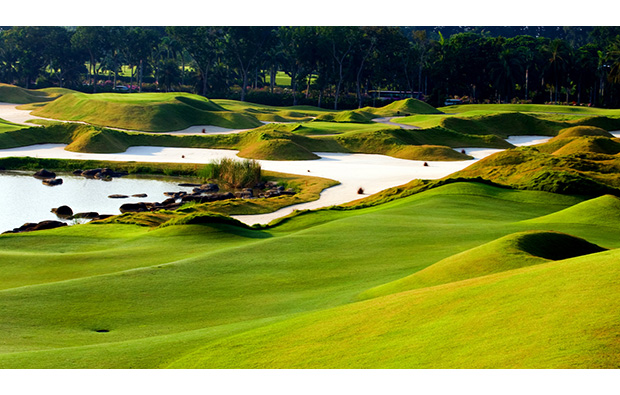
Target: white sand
[{"x": 9, "y": 112}]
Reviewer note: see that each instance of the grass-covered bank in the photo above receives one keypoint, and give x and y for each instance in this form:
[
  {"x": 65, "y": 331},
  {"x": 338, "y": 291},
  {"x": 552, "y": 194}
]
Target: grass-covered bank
[{"x": 18, "y": 95}]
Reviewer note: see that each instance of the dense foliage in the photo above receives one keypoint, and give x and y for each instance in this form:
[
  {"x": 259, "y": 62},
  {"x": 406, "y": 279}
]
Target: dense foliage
[{"x": 328, "y": 66}]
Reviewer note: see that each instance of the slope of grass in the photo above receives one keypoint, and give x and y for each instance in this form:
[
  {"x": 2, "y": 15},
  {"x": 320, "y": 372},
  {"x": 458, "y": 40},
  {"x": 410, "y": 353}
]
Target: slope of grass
[
  {"x": 587, "y": 174},
  {"x": 15, "y": 94},
  {"x": 553, "y": 315},
  {"x": 503, "y": 125},
  {"x": 580, "y": 131},
  {"x": 403, "y": 107},
  {"x": 6, "y": 126},
  {"x": 582, "y": 145},
  {"x": 152, "y": 112},
  {"x": 354, "y": 116},
  {"x": 603, "y": 211},
  {"x": 507, "y": 253},
  {"x": 212, "y": 292}
]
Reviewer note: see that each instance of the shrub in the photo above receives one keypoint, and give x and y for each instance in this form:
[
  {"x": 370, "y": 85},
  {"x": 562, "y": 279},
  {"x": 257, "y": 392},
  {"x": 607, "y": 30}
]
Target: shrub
[{"x": 234, "y": 173}]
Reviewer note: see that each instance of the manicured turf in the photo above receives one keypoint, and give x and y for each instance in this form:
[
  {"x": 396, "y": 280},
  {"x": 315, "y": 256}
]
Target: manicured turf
[
  {"x": 536, "y": 108},
  {"x": 15, "y": 94},
  {"x": 181, "y": 294},
  {"x": 6, "y": 126},
  {"x": 153, "y": 112}
]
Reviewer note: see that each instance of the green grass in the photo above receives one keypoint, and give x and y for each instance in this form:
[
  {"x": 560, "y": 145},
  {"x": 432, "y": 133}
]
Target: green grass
[
  {"x": 152, "y": 112},
  {"x": 15, "y": 94},
  {"x": 534, "y": 108},
  {"x": 551, "y": 315},
  {"x": 603, "y": 210},
  {"x": 6, "y": 126},
  {"x": 585, "y": 165},
  {"x": 506, "y": 253},
  {"x": 182, "y": 293}
]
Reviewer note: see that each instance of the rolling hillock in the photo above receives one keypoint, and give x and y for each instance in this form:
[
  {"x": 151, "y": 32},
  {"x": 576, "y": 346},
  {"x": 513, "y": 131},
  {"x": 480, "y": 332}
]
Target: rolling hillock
[
  {"x": 503, "y": 125},
  {"x": 580, "y": 131},
  {"x": 151, "y": 112},
  {"x": 354, "y": 116},
  {"x": 601, "y": 211},
  {"x": 532, "y": 168},
  {"x": 17, "y": 95},
  {"x": 601, "y": 121},
  {"x": 403, "y": 107},
  {"x": 507, "y": 253}
]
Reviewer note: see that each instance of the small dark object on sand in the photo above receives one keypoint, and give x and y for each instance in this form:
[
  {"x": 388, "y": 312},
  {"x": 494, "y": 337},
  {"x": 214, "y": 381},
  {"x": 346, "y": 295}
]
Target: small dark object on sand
[
  {"x": 360, "y": 191},
  {"x": 425, "y": 164}
]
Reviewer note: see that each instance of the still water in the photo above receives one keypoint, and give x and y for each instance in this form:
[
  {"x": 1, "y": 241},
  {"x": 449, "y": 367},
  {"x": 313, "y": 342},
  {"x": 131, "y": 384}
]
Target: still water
[{"x": 24, "y": 198}]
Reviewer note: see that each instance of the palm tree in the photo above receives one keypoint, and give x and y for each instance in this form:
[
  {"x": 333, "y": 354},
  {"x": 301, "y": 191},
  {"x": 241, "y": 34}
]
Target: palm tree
[
  {"x": 613, "y": 60},
  {"x": 557, "y": 53},
  {"x": 505, "y": 71}
]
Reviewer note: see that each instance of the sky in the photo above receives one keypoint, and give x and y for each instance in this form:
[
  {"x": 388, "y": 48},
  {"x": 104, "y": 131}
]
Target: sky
[{"x": 315, "y": 12}]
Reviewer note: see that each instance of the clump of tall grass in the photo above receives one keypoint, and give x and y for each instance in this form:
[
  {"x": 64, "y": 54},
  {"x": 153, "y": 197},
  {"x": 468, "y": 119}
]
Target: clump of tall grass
[{"x": 234, "y": 173}]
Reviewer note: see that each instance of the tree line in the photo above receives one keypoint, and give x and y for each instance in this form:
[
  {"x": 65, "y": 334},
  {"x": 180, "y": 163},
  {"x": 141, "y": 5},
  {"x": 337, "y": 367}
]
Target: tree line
[{"x": 328, "y": 66}]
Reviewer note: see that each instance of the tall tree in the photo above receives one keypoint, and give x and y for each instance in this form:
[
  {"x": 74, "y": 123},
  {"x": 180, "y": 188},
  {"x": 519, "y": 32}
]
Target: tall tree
[
  {"x": 203, "y": 44},
  {"x": 246, "y": 44},
  {"x": 95, "y": 40},
  {"x": 341, "y": 40},
  {"x": 557, "y": 57},
  {"x": 65, "y": 61},
  {"x": 29, "y": 43}
]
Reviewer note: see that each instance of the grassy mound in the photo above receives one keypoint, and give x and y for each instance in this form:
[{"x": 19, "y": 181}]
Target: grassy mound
[
  {"x": 602, "y": 122},
  {"x": 152, "y": 112},
  {"x": 355, "y": 116},
  {"x": 507, "y": 253},
  {"x": 427, "y": 153},
  {"x": 601, "y": 211},
  {"x": 503, "y": 125},
  {"x": 403, "y": 107},
  {"x": 584, "y": 145},
  {"x": 92, "y": 139},
  {"x": 532, "y": 168},
  {"x": 17, "y": 95},
  {"x": 580, "y": 131},
  {"x": 390, "y": 141},
  {"x": 276, "y": 149}
]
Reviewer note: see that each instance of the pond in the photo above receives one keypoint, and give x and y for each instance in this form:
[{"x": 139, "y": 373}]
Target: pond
[{"x": 25, "y": 198}]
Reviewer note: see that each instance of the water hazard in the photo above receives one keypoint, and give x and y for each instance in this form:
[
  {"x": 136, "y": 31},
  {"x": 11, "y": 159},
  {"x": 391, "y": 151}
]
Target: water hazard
[{"x": 25, "y": 199}]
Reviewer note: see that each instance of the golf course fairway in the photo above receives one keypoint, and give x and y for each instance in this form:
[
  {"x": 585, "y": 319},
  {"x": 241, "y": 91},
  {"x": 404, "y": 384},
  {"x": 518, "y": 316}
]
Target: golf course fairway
[{"x": 303, "y": 294}]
